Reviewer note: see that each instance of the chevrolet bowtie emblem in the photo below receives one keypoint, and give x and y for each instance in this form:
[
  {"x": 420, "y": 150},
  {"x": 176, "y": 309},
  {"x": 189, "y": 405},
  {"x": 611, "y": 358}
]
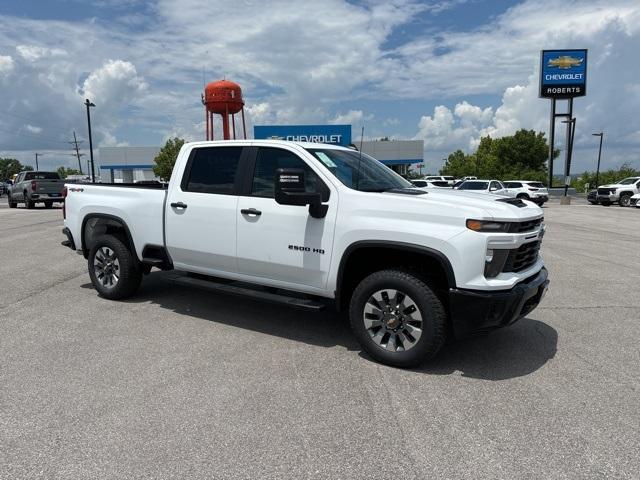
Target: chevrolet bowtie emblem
[{"x": 565, "y": 62}]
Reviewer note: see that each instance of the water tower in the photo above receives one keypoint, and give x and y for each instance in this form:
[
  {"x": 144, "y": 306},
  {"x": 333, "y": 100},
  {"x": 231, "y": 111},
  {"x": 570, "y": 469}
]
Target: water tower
[{"x": 223, "y": 98}]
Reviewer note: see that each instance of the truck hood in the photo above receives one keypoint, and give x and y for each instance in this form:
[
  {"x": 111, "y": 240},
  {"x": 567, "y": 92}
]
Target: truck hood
[
  {"x": 616, "y": 185},
  {"x": 481, "y": 206}
]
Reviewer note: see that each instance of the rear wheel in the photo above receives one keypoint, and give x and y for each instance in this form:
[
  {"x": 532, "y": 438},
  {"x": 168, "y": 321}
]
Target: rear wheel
[
  {"x": 113, "y": 268},
  {"x": 397, "y": 318},
  {"x": 28, "y": 203},
  {"x": 12, "y": 202}
]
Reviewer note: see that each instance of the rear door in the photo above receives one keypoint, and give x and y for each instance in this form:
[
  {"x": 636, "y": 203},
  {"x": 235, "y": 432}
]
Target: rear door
[
  {"x": 283, "y": 242},
  {"x": 201, "y": 212}
]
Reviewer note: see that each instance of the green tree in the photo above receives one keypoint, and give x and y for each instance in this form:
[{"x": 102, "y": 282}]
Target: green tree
[
  {"x": 604, "y": 178},
  {"x": 166, "y": 158},
  {"x": 11, "y": 166},
  {"x": 64, "y": 172},
  {"x": 523, "y": 155}
]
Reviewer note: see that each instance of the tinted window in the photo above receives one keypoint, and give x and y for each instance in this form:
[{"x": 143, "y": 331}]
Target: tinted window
[
  {"x": 268, "y": 161},
  {"x": 42, "y": 176},
  {"x": 213, "y": 170},
  {"x": 474, "y": 186},
  {"x": 496, "y": 185},
  {"x": 419, "y": 183},
  {"x": 512, "y": 184},
  {"x": 536, "y": 184},
  {"x": 359, "y": 171}
]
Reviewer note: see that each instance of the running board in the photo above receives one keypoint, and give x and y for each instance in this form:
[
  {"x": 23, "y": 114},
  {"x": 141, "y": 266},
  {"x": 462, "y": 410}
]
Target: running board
[{"x": 231, "y": 289}]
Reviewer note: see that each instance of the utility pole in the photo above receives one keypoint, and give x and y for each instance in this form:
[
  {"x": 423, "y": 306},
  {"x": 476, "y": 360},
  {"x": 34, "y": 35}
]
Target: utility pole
[
  {"x": 38, "y": 154},
  {"x": 78, "y": 154}
]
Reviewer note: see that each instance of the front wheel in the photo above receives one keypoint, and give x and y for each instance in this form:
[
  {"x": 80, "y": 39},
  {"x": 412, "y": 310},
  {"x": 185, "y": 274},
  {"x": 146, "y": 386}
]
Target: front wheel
[
  {"x": 397, "y": 318},
  {"x": 113, "y": 268},
  {"x": 625, "y": 200}
]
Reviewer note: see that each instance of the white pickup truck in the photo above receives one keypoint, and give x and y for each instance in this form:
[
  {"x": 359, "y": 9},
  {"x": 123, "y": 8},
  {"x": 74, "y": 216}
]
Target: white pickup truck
[{"x": 300, "y": 223}]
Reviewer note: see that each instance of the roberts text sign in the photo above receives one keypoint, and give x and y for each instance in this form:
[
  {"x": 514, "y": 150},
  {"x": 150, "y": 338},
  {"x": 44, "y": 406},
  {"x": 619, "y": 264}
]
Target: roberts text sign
[{"x": 563, "y": 73}]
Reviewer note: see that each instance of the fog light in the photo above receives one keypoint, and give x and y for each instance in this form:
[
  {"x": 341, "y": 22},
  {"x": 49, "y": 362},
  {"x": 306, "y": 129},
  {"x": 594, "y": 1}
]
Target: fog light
[{"x": 494, "y": 262}]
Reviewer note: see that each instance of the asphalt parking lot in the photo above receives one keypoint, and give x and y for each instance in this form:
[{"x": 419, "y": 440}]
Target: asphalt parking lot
[{"x": 180, "y": 384}]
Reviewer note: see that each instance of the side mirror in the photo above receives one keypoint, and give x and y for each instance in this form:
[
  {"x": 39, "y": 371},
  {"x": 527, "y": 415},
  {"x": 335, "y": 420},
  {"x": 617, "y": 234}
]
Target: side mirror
[
  {"x": 289, "y": 190},
  {"x": 493, "y": 189}
]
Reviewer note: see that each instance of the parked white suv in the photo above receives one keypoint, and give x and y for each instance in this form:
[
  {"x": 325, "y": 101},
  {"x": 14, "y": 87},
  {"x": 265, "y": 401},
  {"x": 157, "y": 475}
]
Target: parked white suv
[
  {"x": 429, "y": 184},
  {"x": 527, "y": 190},
  {"x": 484, "y": 186},
  {"x": 301, "y": 224},
  {"x": 619, "y": 192},
  {"x": 442, "y": 178}
]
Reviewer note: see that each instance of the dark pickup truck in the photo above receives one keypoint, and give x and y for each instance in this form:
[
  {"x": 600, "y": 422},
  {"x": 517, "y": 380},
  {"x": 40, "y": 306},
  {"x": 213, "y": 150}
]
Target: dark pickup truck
[{"x": 33, "y": 187}]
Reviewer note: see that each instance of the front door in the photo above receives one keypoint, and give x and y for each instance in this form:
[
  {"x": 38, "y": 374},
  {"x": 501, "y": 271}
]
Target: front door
[
  {"x": 201, "y": 212},
  {"x": 283, "y": 242}
]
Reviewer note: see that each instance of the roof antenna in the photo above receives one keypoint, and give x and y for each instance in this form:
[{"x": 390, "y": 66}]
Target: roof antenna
[{"x": 359, "y": 159}]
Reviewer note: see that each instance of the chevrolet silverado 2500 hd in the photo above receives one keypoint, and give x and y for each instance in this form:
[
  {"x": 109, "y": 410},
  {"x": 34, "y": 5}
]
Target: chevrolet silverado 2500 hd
[{"x": 300, "y": 222}]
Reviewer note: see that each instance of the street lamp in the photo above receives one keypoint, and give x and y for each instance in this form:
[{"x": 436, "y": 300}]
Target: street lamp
[
  {"x": 88, "y": 105},
  {"x": 601, "y": 135},
  {"x": 571, "y": 130},
  {"x": 38, "y": 155}
]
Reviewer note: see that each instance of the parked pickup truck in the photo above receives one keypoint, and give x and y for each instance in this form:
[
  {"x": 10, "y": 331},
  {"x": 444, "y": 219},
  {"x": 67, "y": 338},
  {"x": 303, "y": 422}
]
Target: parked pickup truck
[
  {"x": 620, "y": 192},
  {"x": 304, "y": 223},
  {"x": 33, "y": 187}
]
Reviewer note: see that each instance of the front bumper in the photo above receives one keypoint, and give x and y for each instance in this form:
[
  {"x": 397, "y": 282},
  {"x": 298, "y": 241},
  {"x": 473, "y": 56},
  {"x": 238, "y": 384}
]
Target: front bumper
[
  {"x": 607, "y": 198},
  {"x": 476, "y": 311},
  {"x": 540, "y": 199}
]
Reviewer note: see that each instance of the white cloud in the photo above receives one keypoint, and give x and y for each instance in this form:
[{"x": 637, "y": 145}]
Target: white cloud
[
  {"x": 352, "y": 117},
  {"x": 114, "y": 84},
  {"x": 6, "y": 64},
  {"x": 33, "y": 129},
  {"x": 32, "y": 53}
]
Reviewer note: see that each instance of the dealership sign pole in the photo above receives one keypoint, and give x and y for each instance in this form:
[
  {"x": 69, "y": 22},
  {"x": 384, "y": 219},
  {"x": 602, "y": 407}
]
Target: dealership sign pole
[{"x": 563, "y": 76}]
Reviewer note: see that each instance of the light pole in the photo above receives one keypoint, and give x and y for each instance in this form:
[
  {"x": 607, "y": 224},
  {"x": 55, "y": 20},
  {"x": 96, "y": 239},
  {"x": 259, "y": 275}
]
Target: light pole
[
  {"x": 601, "y": 135},
  {"x": 88, "y": 105},
  {"x": 571, "y": 130},
  {"x": 38, "y": 155}
]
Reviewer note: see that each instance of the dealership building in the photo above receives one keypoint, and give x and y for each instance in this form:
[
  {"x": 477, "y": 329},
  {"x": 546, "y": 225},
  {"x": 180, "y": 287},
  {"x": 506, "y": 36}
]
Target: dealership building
[{"x": 134, "y": 164}]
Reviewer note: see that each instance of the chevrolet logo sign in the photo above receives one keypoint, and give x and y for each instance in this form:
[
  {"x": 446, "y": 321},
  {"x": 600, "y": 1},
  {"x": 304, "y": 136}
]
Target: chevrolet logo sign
[{"x": 565, "y": 62}]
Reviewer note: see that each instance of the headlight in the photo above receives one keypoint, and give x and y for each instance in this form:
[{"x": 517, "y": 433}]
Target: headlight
[{"x": 487, "y": 226}]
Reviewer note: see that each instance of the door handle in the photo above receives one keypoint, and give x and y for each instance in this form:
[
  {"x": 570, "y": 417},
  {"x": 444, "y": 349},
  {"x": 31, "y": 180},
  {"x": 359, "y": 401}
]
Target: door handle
[
  {"x": 178, "y": 205},
  {"x": 251, "y": 211}
]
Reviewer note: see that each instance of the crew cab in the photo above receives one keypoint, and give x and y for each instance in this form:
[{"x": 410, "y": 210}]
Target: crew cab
[
  {"x": 619, "y": 192},
  {"x": 308, "y": 224},
  {"x": 32, "y": 187}
]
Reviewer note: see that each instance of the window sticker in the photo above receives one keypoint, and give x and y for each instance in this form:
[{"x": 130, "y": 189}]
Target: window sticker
[{"x": 326, "y": 160}]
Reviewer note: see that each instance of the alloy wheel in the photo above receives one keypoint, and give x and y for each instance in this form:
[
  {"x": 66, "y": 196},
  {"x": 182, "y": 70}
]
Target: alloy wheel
[{"x": 393, "y": 320}]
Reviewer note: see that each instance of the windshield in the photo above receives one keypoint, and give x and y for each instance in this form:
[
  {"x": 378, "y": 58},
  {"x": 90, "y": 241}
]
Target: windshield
[
  {"x": 366, "y": 175},
  {"x": 628, "y": 181},
  {"x": 474, "y": 186}
]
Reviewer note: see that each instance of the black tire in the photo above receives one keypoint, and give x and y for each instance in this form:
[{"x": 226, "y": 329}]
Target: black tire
[
  {"x": 48, "y": 204},
  {"x": 28, "y": 203},
  {"x": 606, "y": 204},
  {"x": 430, "y": 308},
  {"x": 523, "y": 196},
  {"x": 122, "y": 262},
  {"x": 12, "y": 204},
  {"x": 625, "y": 200}
]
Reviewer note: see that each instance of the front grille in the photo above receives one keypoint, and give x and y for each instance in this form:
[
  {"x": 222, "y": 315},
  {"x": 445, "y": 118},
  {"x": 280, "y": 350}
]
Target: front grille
[
  {"x": 526, "y": 226},
  {"x": 604, "y": 191},
  {"x": 522, "y": 258}
]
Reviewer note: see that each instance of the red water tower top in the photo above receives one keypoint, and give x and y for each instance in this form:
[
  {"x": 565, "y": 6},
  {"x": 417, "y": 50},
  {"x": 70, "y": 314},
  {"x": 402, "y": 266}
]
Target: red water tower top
[{"x": 223, "y": 97}]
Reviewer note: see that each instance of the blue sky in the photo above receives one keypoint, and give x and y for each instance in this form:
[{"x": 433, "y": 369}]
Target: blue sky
[{"x": 445, "y": 71}]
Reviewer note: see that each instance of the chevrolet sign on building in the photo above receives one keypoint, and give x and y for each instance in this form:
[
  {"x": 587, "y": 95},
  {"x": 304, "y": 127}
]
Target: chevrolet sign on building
[{"x": 336, "y": 134}]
